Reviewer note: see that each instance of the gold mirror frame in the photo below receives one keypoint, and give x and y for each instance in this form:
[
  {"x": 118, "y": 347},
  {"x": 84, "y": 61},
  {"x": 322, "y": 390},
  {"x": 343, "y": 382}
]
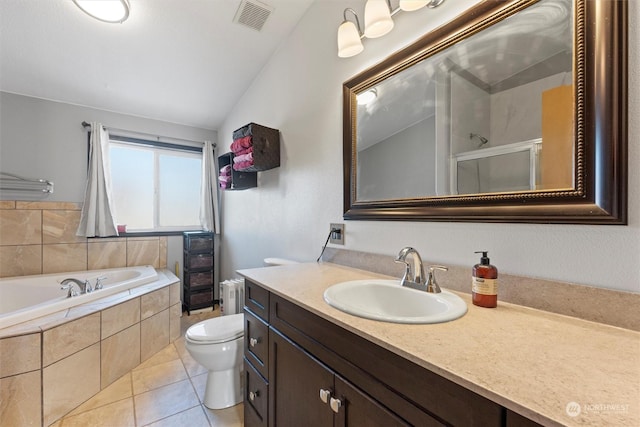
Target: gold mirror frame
[{"x": 599, "y": 195}]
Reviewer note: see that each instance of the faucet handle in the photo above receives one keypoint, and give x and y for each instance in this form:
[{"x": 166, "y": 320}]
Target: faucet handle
[
  {"x": 432, "y": 285},
  {"x": 71, "y": 292},
  {"x": 99, "y": 281}
]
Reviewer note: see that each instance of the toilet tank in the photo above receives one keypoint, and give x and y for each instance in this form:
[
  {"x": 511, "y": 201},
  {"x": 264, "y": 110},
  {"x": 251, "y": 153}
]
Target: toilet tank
[{"x": 269, "y": 262}]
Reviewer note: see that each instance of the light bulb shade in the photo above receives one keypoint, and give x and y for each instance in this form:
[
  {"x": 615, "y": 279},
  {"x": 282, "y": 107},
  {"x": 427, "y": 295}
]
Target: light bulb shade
[
  {"x": 111, "y": 11},
  {"x": 367, "y": 97},
  {"x": 377, "y": 19},
  {"x": 411, "y": 5},
  {"x": 349, "y": 43}
]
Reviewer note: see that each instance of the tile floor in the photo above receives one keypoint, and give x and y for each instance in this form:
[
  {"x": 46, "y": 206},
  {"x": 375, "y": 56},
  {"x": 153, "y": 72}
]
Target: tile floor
[{"x": 164, "y": 391}]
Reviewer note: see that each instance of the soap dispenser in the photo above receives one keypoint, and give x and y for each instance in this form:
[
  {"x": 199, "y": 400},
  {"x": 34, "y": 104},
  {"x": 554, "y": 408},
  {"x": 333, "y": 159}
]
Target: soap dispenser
[{"x": 484, "y": 288}]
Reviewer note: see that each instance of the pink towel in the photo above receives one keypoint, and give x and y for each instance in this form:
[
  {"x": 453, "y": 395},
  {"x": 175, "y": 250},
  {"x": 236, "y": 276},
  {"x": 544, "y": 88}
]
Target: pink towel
[
  {"x": 242, "y": 165},
  {"x": 243, "y": 158},
  {"x": 225, "y": 170},
  {"x": 241, "y": 144},
  {"x": 224, "y": 178},
  {"x": 245, "y": 151}
]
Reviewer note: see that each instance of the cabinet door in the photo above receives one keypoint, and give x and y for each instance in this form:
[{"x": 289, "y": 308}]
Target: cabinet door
[
  {"x": 295, "y": 381},
  {"x": 358, "y": 409}
]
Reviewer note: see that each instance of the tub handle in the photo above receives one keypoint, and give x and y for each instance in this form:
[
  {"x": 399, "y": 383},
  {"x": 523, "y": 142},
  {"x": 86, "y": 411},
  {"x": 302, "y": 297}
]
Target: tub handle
[
  {"x": 72, "y": 292},
  {"x": 99, "y": 283}
]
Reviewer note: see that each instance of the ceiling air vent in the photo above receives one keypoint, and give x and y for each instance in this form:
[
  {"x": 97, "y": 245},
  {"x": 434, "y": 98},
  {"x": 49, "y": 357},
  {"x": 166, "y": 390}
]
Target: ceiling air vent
[{"x": 253, "y": 14}]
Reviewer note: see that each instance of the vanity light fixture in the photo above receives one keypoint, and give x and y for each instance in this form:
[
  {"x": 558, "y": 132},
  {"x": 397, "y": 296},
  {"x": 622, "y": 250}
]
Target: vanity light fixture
[
  {"x": 349, "y": 36},
  {"x": 377, "y": 23},
  {"x": 111, "y": 11},
  {"x": 411, "y": 5},
  {"x": 377, "y": 18}
]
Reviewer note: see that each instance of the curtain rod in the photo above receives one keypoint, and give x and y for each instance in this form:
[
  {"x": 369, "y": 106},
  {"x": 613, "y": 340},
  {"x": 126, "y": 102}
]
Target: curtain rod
[{"x": 86, "y": 125}]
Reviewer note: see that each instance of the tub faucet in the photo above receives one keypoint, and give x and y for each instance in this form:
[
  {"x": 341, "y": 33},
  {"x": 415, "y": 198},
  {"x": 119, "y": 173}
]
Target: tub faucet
[
  {"x": 414, "y": 273},
  {"x": 85, "y": 287}
]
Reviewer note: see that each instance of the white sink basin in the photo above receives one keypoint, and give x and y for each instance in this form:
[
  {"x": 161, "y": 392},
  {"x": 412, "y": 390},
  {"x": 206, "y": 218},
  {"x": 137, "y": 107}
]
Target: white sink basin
[{"x": 387, "y": 301}]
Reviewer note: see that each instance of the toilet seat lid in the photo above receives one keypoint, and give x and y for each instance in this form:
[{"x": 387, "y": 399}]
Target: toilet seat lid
[{"x": 217, "y": 330}]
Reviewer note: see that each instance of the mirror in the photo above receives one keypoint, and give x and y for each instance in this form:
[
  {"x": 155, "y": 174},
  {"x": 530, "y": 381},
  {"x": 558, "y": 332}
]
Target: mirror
[{"x": 515, "y": 111}]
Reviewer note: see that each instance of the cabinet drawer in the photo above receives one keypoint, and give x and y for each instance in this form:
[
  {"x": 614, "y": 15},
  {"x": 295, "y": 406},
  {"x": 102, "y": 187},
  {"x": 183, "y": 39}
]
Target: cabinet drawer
[
  {"x": 255, "y": 398},
  {"x": 199, "y": 244},
  {"x": 198, "y": 261},
  {"x": 256, "y": 299},
  {"x": 204, "y": 278},
  {"x": 256, "y": 342},
  {"x": 201, "y": 298}
]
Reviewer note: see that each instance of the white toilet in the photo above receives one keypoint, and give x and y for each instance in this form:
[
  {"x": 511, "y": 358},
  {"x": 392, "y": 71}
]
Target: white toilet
[
  {"x": 218, "y": 344},
  {"x": 268, "y": 262}
]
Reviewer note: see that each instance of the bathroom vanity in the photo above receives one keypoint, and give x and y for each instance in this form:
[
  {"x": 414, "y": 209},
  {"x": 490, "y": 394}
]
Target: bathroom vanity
[{"x": 307, "y": 363}]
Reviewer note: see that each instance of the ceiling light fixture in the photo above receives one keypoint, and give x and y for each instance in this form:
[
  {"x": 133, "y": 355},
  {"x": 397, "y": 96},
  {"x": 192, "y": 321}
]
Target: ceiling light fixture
[
  {"x": 111, "y": 11},
  {"x": 377, "y": 23}
]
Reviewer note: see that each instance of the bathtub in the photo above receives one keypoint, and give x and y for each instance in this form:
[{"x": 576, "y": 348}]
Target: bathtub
[{"x": 29, "y": 297}]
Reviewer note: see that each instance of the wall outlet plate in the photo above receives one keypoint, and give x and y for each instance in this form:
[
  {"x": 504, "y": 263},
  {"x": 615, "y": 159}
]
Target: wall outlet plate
[{"x": 337, "y": 237}]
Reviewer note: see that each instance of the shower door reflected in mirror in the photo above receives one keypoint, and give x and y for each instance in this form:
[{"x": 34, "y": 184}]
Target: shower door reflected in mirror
[{"x": 492, "y": 113}]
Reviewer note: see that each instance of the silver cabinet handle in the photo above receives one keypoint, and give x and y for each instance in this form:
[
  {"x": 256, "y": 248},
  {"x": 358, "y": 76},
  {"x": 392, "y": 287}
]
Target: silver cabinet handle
[
  {"x": 253, "y": 395},
  {"x": 253, "y": 341},
  {"x": 335, "y": 404},
  {"x": 325, "y": 395}
]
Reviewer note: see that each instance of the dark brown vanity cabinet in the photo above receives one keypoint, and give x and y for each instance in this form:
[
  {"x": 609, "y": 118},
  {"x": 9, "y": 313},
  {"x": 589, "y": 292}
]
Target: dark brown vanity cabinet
[
  {"x": 307, "y": 371},
  {"x": 197, "y": 280},
  {"x": 305, "y": 392}
]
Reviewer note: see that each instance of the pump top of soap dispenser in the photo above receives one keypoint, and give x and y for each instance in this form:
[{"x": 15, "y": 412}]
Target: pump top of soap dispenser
[{"x": 485, "y": 259}]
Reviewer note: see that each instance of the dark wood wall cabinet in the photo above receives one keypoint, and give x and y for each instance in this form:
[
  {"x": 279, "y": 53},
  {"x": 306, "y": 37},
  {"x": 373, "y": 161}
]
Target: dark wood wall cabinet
[
  {"x": 197, "y": 282},
  {"x": 302, "y": 370}
]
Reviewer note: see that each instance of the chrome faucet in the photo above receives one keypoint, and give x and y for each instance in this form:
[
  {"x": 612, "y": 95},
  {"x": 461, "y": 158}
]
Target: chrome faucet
[
  {"x": 99, "y": 281},
  {"x": 414, "y": 276},
  {"x": 432, "y": 285},
  {"x": 85, "y": 287}
]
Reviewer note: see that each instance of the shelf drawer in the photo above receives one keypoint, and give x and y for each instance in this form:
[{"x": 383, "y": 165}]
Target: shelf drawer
[
  {"x": 255, "y": 398},
  {"x": 204, "y": 278},
  {"x": 198, "y": 261},
  {"x": 199, "y": 244},
  {"x": 199, "y": 298},
  {"x": 256, "y": 342}
]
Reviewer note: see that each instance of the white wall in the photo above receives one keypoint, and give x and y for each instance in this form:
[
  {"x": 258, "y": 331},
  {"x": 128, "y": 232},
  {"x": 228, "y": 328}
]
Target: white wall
[
  {"x": 288, "y": 215},
  {"x": 378, "y": 164},
  {"x": 45, "y": 139}
]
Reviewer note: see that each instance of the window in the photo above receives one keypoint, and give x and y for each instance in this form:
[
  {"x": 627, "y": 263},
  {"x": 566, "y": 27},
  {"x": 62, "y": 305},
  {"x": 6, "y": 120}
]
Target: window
[{"x": 156, "y": 186}]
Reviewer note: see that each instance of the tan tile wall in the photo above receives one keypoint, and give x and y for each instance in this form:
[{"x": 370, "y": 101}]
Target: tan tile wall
[
  {"x": 40, "y": 238},
  {"x": 70, "y": 363}
]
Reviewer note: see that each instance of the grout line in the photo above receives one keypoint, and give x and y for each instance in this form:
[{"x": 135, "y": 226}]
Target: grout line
[{"x": 133, "y": 401}]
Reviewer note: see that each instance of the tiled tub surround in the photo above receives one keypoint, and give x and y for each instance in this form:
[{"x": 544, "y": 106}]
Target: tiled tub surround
[
  {"x": 51, "y": 365},
  {"x": 40, "y": 238},
  {"x": 530, "y": 361},
  {"x": 29, "y": 297}
]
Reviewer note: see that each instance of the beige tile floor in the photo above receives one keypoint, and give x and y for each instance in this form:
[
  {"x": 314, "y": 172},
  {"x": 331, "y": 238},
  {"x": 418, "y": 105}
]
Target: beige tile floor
[{"x": 164, "y": 391}]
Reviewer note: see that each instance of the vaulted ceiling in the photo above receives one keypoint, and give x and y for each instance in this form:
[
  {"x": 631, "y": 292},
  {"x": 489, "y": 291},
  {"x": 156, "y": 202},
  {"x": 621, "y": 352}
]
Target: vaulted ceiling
[{"x": 181, "y": 61}]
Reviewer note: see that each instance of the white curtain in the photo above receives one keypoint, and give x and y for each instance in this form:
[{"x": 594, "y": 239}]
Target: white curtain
[
  {"x": 209, "y": 216},
  {"x": 97, "y": 218}
]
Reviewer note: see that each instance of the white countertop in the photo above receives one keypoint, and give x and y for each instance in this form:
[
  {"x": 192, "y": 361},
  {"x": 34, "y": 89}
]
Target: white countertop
[{"x": 530, "y": 361}]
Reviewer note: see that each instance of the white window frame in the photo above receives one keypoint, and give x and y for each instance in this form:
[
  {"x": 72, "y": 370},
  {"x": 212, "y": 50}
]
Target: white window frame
[{"x": 157, "y": 148}]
